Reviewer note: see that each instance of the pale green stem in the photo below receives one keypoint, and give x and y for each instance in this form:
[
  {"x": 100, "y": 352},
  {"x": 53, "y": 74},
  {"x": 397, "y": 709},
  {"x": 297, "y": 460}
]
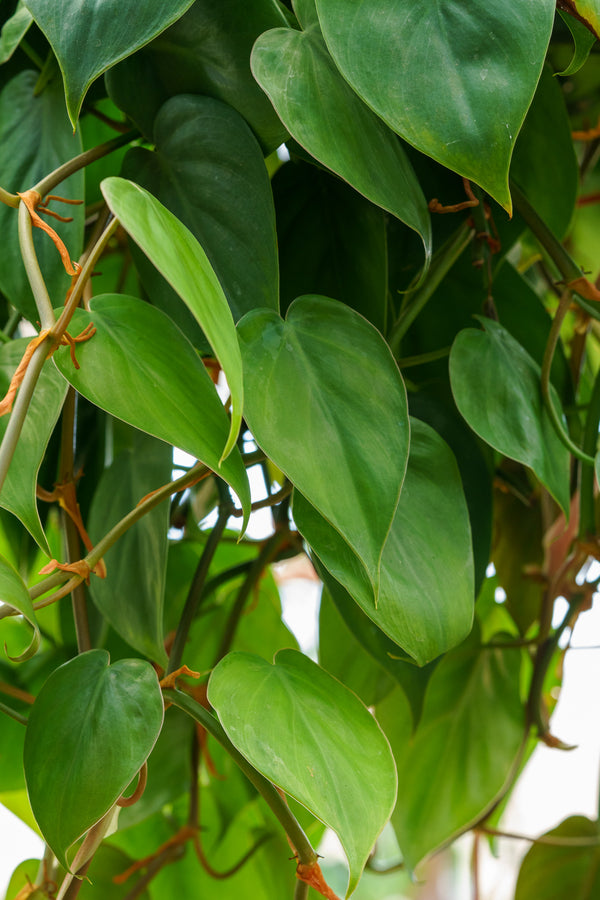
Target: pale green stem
[
  {"x": 553, "y": 338},
  {"x": 301, "y": 890},
  {"x": 50, "y": 181},
  {"x": 548, "y": 839},
  {"x": 32, "y": 267},
  {"x": 9, "y": 199},
  {"x": 88, "y": 267},
  {"x": 306, "y": 854},
  {"x": 13, "y": 714}
]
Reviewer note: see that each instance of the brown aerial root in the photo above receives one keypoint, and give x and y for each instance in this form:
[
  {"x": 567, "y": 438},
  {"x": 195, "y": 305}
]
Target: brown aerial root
[
  {"x": 182, "y": 837},
  {"x": 585, "y": 289},
  {"x": 66, "y": 340},
  {"x": 139, "y": 788},
  {"x": 33, "y": 202},
  {"x": 435, "y": 206},
  {"x": 312, "y": 875},
  {"x": 168, "y": 682},
  {"x": 589, "y": 135},
  {"x": 80, "y": 567},
  {"x": 65, "y": 495}
]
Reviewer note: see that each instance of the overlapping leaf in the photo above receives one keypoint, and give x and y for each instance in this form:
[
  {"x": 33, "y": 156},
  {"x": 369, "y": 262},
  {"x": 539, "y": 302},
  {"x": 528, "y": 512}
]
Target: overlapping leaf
[
  {"x": 209, "y": 171},
  {"x": 326, "y": 402},
  {"x": 553, "y": 872},
  {"x": 13, "y": 31},
  {"x": 453, "y": 79},
  {"x": 496, "y": 385},
  {"x": 14, "y": 593},
  {"x": 89, "y": 36},
  {"x": 313, "y": 738},
  {"x": 426, "y": 596},
  {"x": 327, "y": 118},
  {"x": 157, "y": 382},
  {"x": 178, "y": 256},
  {"x": 18, "y": 491},
  {"x": 35, "y": 138},
  {"x": 588, "y": 11},
  {"x": 131, "y": 597},
  {"x": 90, "y": 730}
]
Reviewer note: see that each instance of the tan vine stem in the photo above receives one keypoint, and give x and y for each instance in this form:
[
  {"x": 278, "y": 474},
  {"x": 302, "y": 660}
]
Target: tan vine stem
[
  {"x": 50, "y": 181},
  {"x": 556, "y": 841}
]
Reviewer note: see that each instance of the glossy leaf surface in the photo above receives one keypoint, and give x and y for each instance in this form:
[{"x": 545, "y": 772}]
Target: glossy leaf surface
[
  {"x": 13, "y": 31},
  {"x": 454, "y": 81},
  {"x": 325, "y": 116},
  {"x": 35, "y": 138},
  {"x": 131, "y": 596},
  {"x": 89, "y": 36},
  {"x": 179, "y": 257},
  {"x": 313, "y": 738},
  {"x": 209, "y": 171},
  {"x": 14, "y": 593},
  {"x": 589, "y": 11},
  {"x": 90, "y": 730},
  {"x": 553, "y": 872},
  {"x": 18, "y": 491},
  {"x": 471, "y": 692},
  {"x": 426, "y": 597},
  {"x": 507, "y": 409},
  {"x": 333, "y": 387},
  {"x": 159, "y": 384}
]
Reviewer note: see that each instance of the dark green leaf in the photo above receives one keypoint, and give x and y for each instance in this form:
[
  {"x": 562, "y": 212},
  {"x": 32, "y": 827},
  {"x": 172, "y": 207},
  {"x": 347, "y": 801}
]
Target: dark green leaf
[
  {"x": 89, "y": 36},
  {"x": 553, "y": 873},
  {"x": 456, "y": 763},
  {"x": 426, "y": 596},
  {"x": 331, "y": 241},
  {"x": 589, "y": 11},
  {"x": 453, "y": 80},
  {"x": 507, "y": 409},
  {"x": 327, "y": 118},
  {"x": 35, "y": 138},
  {"x": 18, "y": 491},
  {"x": 314, "y": 739},
  {"x": 179, "y": 257},
  {"x": 206, "y": 52},
  {"x": 333, "y": 387},
  {"x": 14, "y": 594},
  {"x": 583, "y": 40},
  {"x": 90, "y": 730},
  {"x": 209, "y": 171},
  {"x": 158, "y": 382},
  {"x": 132, "y": 594}
]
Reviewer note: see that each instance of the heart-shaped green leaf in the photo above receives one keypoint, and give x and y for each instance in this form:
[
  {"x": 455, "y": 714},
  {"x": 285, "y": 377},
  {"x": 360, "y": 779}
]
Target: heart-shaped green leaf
[
  {"x": 177, "y": 255},
  {"x": 447, "y": 780},
  {"x": 326, "y": 402},
  {"x": 18, "y": 491},
  {"x": 426, "y": 595},
  {"x": 325, "y": 116},
  {"x": 35, "y": 138},
  {"x": 196, "y": 173},
  {"x": 158, "y": 382},
  {"x": 313, "y": 738},
  {"x": 131, "y": 597},
  {"x": 14, "y": 593},
  {"x": 89, "y": 36},
  {"x": 90, "y": 730},
  {"x": 553, "y": 872},
  {"x": 507, "y": 409},
  {"x": 453, "y": 79}
]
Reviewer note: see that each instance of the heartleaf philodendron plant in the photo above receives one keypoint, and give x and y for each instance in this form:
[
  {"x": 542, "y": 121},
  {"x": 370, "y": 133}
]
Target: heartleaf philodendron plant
[{"x": 336, "y": 261}]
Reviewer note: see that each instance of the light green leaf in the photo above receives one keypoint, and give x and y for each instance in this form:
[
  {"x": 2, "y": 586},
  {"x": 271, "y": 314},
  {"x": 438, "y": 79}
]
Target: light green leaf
[
  {"x": 89, "y": 36},
  {"x": 35, "y": 138},
  {"x": 158, "y": 382},
  {"x": 18, "y": 491},
  {"x": 507, "y": 409},
  {"x": 313, "y": 738},
  {"x": 589, "y": 10},
  {"x": 90, "y": 730},
  {"x": 131, "y": 597},
  {"x": 453, "y": 79},
  {"x": 325, "y": 116},
  {"x": 456, "y": 763},
  {"x": 552, "y": 872},
  {"x": 426, "y": 595},
  {"x": 179, "y": 257},
  {"x": 326, "y": 402},
  {"x": 14, "y": 593},
  {"x": 209, "y": 171},
  {"x": 13, "y": 30}
]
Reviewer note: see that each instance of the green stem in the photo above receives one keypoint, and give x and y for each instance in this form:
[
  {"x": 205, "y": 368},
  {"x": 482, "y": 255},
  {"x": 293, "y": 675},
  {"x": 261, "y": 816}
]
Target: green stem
[
  {"x": 197, "y": 590},
  {"x": 587, "y": 514},
  {"x": 442, "y": 262},
  {"x": 49, "y": 182},
  {"x": 553, "y": 338},
  {"x": 32, "y": 268},
  {"x": 301, "y": 890},
  {"x": 9, "y": 199},
  {"x": 33, "y": 55},
  {"x": 551, "y": 841},
  {"x": 13, "y": 714},
  {"x": 306, "y": 854},
  {"x": 6, "y": 334},
  {"x": 86, "y": 271},
  {"x": 407, "y": 362}
]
